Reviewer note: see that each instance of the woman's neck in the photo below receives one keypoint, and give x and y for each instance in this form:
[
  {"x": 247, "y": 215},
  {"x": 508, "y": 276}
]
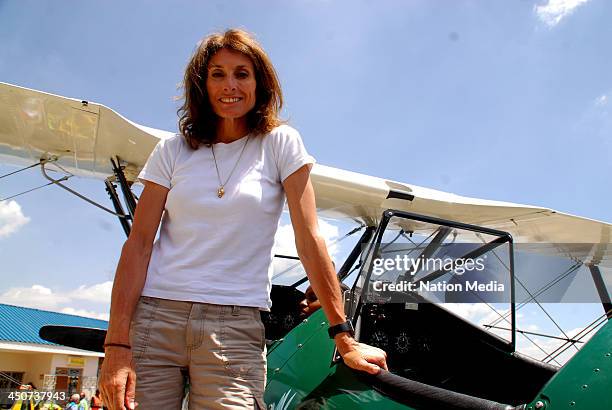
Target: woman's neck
[{"x": 229, "y": 130}]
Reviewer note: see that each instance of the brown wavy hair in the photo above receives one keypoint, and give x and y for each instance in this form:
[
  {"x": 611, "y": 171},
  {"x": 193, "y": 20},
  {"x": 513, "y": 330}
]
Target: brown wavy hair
[{"x": 197, "y": 120}]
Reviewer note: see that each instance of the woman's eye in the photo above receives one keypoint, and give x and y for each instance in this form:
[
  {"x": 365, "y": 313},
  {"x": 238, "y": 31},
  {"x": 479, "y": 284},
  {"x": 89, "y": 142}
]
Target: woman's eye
[
  {"x": 216, "y": 74},
  {"x": 242, "y": 75}
]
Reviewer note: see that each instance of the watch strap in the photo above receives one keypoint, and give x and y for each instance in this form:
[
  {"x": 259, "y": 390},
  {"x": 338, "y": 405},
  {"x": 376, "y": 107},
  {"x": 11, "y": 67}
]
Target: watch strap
[{"x": 342, "y": 327}]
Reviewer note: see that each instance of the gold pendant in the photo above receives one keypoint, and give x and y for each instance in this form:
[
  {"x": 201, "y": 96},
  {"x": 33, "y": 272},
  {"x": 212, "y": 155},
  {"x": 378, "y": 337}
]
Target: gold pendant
[{"x": 220, "y": 191}]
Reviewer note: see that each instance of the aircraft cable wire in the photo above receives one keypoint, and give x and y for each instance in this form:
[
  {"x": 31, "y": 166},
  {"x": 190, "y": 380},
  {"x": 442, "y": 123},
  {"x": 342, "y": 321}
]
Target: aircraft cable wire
[
  {"x": 593, "y": 326},
  {"x": 351, "y": 232},
  {"x": 552, "y": 283},
  {"x": 420, "y": 245},
  {"x": 42, "y": 161},
  {"x": 505, "y": 318},
  {"x": 507, "y": 321},
  {"x": 559, "y": 350},
  {"x": 535, "y": 334},
  {"x": 495, "y": 310},
  {"x": 25, "y": 192},
  {"x": 544, "y": 288},
  {"x": 534, "y": 299},
  {"x": 472, "y": 254},
  {"x": 543, "y": 309},
  {"x": 401, "y": 231},
  {"x": 58, "y": 182},
  {"x": 402, "y": 234},
  {"x": 19, "y": 170},
  {"x": 524, "y": 335}
]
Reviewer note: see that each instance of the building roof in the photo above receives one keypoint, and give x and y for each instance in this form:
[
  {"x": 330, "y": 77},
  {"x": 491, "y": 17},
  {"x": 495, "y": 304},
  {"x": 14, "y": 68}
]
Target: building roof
[{"x": 21, "y": 324}]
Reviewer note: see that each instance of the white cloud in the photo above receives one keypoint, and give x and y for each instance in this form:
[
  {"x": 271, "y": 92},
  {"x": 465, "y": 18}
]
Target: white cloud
[
  {"x": 41, "y": 297},
  {"x": 601, "y": 100},
  {"x": 86, "y": 313},
  {"x": 284, "y": 241},
  {"x": 100, "y": 292},
  {"x": 480, "y": 314},
  {"x": 554, "y": 11},
  {"x": 11, "y": 218},
  {"x": 37, "y": 296},
  {"x": 473, "y": 312},
  {"x": 288, "y": 271}
]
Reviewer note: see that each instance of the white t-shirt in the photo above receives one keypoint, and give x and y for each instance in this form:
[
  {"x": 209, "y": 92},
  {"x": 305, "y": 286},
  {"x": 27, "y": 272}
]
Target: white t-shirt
[{"x": 219, "y": 250}]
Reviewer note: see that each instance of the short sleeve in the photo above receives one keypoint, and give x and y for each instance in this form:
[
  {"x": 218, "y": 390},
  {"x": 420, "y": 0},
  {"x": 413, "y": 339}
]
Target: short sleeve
[
  {"x": 159, "y": 166},
  {"x": 291, "y": 154}
]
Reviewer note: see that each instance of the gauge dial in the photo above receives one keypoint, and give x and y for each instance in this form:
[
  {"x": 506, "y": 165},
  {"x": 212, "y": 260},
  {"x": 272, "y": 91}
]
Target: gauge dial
[
  {"x": 379, "y": 339},
  {"x": 402, "y": 343}
]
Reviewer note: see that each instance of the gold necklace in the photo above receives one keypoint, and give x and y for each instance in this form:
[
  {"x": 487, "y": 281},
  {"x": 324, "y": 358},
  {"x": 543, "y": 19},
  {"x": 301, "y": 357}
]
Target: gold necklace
[{"x": 221, "y": 189}]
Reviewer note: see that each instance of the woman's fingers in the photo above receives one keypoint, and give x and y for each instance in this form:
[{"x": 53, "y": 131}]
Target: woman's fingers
[
  {"x": 356, "y": 361},
  {"x": 376, "y": 355},
  {"x": 113, "y": 393},
  {"x": 118, "y": 393},
  {"x": 130, "y": 394},
  {"x": 115, "y": 379},
  {"x": 366, "y": 358}
]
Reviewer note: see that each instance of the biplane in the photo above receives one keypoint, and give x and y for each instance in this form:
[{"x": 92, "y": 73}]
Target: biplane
[{"x": 521, "y": 255}]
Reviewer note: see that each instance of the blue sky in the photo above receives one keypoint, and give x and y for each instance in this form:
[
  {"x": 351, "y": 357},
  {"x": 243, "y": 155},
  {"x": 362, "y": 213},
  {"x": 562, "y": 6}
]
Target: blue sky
[{"x": 492, "y": 99}]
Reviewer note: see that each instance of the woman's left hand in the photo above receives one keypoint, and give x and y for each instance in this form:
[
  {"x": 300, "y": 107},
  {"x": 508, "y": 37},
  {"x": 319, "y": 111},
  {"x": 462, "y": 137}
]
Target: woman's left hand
[{"x": 360, "y": 356}]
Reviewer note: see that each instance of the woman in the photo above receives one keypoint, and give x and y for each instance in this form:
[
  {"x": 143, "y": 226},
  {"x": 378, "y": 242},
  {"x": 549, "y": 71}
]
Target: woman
[
  {"x": 96, "y": 401},
  {"x": 189, "y": 303}
]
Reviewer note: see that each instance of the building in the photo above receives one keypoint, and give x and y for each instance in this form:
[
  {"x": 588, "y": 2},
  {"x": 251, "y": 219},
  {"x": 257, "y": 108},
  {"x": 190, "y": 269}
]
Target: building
[{"x": 26, "y": 358}]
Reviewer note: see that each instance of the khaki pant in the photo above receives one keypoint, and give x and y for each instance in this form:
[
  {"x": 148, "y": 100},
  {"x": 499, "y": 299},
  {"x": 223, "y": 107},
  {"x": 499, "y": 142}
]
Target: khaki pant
[{"x": 220, "y": 348}]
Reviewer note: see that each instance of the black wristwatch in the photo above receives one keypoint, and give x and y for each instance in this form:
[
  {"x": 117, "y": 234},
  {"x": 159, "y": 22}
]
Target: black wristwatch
[{"x": 342, "y": 327}]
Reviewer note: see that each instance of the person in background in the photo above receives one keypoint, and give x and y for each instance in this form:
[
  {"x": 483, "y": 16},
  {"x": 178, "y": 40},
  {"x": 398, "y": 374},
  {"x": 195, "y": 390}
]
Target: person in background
[
  {"x": 96, "y": 401},
  {"x": 73, "y": 403},
  {"x": 311, "y": 303},
  {"x": 83, "y": 402}
]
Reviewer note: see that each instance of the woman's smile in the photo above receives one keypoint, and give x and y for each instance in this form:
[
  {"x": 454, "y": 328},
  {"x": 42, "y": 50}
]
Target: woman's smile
[{"x": 230, "y": 100}]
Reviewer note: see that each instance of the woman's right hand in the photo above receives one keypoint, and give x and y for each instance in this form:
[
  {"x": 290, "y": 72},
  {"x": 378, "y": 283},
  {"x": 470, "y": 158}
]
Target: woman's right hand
[{"x": 118, "y": 379}]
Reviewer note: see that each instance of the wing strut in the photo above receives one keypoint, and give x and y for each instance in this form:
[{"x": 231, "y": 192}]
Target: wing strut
[
  {"x": 601, "y": 289},
  {"x": 112, "y": 193},
  {"x": 128, "y": 196}
]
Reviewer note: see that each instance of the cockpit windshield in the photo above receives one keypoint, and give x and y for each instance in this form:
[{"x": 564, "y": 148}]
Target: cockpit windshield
[{"x": 414, "y": 259}]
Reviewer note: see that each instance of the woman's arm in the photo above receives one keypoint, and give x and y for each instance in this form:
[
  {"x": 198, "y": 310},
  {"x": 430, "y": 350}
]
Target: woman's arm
[
  {"x": 312, "y": 251},
  {"x": 117, "y": 377}
]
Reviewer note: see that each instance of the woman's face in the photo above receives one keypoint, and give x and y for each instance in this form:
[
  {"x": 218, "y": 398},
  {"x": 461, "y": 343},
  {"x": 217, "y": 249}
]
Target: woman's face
[{"x": 231, "y": 84}]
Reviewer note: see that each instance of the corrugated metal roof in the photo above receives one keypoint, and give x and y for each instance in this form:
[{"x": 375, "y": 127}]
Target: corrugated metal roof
[{"x": 21, "y": 324}]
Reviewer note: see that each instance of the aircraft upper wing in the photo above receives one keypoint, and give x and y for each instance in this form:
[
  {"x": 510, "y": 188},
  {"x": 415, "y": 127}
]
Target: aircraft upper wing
[{"x": 85, "y": 135}]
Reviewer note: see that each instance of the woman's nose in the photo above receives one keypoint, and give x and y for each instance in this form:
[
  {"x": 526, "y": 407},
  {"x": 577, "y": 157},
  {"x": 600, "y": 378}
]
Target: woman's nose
[{"x": 230, "y": 84}]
